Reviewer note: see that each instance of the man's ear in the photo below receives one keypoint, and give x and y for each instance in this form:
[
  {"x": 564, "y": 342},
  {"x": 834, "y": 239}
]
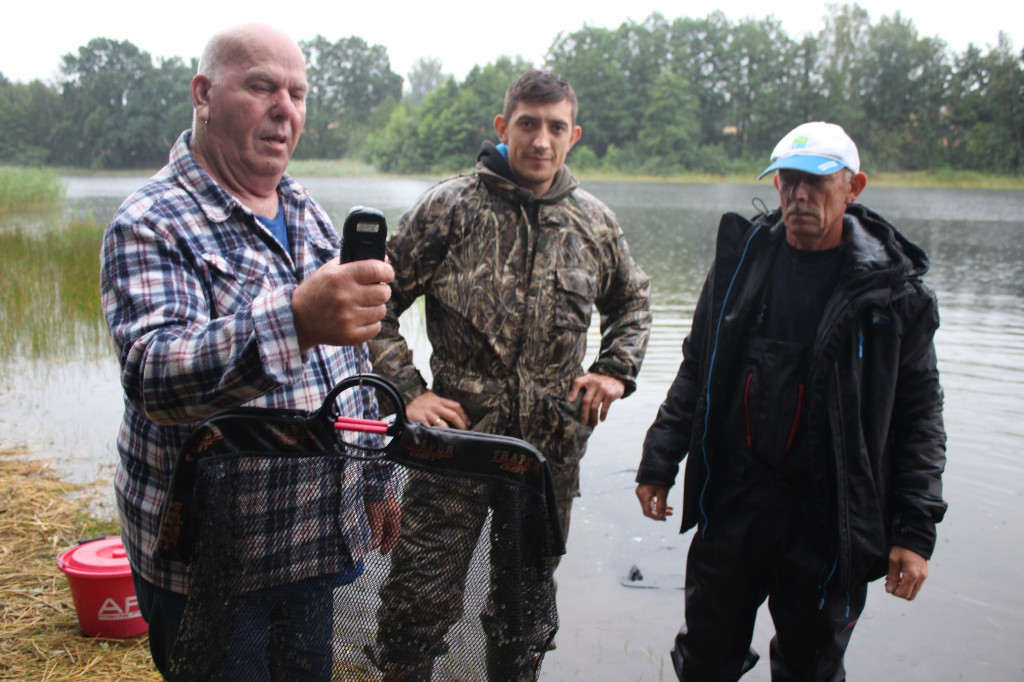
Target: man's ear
[
  {"x": 501, "y": 127},
  {"x": 200, "y": 90},
  {"x": 576, "y": 132},
  {"x": 857, "y": 184}
]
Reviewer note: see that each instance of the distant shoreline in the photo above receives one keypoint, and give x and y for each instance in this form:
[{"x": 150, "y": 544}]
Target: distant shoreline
[{"x": 342, "y": 168}]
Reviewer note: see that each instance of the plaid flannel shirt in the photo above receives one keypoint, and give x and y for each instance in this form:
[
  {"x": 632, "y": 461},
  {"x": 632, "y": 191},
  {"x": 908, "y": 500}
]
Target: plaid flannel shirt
[{"x": 197, "y": 297}]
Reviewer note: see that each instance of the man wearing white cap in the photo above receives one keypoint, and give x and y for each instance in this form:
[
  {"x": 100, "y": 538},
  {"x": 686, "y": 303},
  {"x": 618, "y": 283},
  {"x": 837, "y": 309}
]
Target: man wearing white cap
[{"x": 809, "y": 401}]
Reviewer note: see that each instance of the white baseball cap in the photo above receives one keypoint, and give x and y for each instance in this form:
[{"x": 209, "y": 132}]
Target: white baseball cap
[{"x": 817, "y": 147}]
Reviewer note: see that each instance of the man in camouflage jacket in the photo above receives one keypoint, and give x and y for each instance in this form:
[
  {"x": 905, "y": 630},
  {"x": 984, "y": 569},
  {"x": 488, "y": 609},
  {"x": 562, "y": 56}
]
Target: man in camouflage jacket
[{"x": 511, "y": 261}]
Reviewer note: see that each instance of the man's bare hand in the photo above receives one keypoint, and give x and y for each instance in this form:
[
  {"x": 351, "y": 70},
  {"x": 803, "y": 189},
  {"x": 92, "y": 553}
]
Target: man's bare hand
[
  {"x": 653, "y": 501},
  {"x": 599, "y": 393},
  {"x": 433, "y": 410},
  {"x": 385, "y": 517},
  {"x": 907, "y": 573},
  {"x": 341, "y": 304}
]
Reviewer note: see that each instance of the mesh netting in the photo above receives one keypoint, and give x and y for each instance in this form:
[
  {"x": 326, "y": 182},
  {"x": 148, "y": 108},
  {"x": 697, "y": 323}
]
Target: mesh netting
[{"x": 268, "y": 509}]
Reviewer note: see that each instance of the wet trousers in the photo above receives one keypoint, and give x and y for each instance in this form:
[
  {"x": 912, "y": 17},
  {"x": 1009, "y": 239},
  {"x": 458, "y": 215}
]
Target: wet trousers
[
  {"x": 424, "y": 595},
  {"x": 761, "y": 543},
  {"x": 283, "y": 633}
]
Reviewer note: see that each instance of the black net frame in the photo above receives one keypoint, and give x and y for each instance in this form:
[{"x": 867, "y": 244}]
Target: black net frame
[{"x": 466, "y": 594}]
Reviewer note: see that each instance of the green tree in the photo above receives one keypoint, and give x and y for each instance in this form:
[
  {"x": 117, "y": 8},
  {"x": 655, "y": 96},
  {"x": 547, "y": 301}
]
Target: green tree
[
  {"x": 658, "y": 96},
  {"x": 1007, "y": 90},
  {"x": 395, "y": 148},
  {"x": 969, "y": 91},
  {"x": 905, "y": 79},
  {"x": 806, "y": 87},
  {"x": 159, "y": 109},
  {"x": 588, "y": 59},
  {"x": 987, "y": 109},
  {"x": 348, "y": 81},
  {"x": 840, "y": 47},
  {"x": 450, "y": 126},
  {"x": 445, "y": 132},
  {"x": 453, "y": 124},
  {"x": 698, "y": 53},
  {"x": 118, "y": 106},
  {"x": 669, "y": 136},
  {"x": 28, "y": 115},
  {"x": 642, "y": 55},
  {"x": 424, "y": 77},
  {"x": 488, "y": 85},
  {"x": 759, "y": 59}
]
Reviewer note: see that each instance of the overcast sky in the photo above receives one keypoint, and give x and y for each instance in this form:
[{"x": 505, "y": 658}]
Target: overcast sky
[{"x": 34, "y": 35}]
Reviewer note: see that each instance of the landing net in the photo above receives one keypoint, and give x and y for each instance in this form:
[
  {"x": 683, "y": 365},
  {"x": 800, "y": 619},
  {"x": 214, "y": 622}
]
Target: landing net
[{"x": 268, "y": 506}]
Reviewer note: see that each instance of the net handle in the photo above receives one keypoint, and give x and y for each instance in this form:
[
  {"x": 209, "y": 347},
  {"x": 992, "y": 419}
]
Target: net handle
[{"x": 327, "y": 415}]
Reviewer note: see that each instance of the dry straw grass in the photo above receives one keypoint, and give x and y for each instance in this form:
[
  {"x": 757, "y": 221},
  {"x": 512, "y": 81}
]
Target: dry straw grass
[{"x": 40, "y": 516}]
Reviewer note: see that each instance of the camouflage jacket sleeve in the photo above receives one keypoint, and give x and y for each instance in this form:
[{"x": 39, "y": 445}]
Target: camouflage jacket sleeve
[
  {"x": 624, "y": 304},
  {"x": 421, "y": 238}
]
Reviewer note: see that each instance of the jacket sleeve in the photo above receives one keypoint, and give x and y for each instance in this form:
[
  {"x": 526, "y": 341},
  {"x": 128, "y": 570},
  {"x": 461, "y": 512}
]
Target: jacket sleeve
[
  {"x": 668, "y": 438},
  {"x": 918, "y": 435},
  {"x": 416, "y": 250},
  {"x": 625, "y": 309}
]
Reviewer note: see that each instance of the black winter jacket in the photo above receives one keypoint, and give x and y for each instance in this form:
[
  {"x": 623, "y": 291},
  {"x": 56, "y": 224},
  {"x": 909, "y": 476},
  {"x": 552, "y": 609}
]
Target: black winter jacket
[{"x": 874, "y": 402}]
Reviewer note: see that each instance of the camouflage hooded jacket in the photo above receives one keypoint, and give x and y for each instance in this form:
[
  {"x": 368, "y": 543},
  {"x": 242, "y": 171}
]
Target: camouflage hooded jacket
[{"x": 510, "y": 283}]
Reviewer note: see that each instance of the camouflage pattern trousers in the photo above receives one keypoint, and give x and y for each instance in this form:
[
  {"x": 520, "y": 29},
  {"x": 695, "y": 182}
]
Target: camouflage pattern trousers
[{"x": 445, "y": 565}]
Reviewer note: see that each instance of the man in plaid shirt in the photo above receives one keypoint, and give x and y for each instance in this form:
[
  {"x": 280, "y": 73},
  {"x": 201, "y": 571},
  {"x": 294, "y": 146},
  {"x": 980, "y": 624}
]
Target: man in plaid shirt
[{"x": 221, "y": 287}]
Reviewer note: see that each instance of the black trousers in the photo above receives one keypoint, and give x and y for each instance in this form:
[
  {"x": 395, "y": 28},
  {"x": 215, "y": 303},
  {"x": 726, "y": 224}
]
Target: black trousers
[
  {"x": 280, "y": 633},
  {"x": 762, "y": 543}
]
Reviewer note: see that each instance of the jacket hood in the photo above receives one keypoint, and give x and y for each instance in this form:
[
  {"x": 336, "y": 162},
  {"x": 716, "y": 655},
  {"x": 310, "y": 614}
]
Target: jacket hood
[
  {"x": 492, "y": 163},
  {"x": 491, "y": 158},
  {"x": 888, "y": 243}
]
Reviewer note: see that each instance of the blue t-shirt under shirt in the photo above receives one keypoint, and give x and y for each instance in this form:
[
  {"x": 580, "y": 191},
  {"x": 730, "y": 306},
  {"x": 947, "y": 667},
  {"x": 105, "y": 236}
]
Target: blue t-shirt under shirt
[{"x": 277, "y": 226}]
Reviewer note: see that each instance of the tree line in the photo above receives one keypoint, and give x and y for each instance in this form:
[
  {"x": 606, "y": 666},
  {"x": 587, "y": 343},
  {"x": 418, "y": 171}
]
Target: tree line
[{"x": 658, "y": 96}]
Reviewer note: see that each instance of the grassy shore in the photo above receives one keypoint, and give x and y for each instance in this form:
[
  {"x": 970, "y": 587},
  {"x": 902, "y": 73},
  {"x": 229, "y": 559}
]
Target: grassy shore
[
  {"x": 934, "y": 179},
  {"x": 28, "y": 188},
  {"x": 348, "y": 168},
  {"x": 943, "y": 179},
  {"x": 39, "y": 634}
]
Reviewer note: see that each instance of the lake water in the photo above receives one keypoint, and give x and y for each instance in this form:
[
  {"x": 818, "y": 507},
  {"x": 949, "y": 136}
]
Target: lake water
[{"x": 965, "y": 624}]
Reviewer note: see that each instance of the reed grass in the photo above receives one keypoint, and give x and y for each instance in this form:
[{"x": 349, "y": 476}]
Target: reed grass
[
  {"x": 331, "y": 168},
  {"x": 50, "y": 307},
  {"x": 40, "y": 639},
  {"x": 27, "y": 188}
]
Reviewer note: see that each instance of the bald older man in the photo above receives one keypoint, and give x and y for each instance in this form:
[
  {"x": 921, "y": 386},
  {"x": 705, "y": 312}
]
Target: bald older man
[{"x": 221, "y": 287}]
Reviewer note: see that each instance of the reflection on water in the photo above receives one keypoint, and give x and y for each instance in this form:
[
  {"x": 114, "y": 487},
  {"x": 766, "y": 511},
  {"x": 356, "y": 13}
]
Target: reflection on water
[
  {"x": 68, "y": 408},
  {"x": 982, "y": 362}
]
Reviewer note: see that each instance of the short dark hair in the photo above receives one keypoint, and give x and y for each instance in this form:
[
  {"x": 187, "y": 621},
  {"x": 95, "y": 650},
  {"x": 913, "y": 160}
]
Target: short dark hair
[{"x": 539, "y": 86}]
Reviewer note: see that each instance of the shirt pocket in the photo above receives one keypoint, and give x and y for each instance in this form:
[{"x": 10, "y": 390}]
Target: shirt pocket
[
  {"x": 236, "y": 279},
  {"x": 575, "y": 290}
]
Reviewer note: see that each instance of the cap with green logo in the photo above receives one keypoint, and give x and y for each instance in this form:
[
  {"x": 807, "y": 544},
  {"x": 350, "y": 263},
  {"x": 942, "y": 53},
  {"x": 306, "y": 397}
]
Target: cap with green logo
[{"x": 817, "y": 147}]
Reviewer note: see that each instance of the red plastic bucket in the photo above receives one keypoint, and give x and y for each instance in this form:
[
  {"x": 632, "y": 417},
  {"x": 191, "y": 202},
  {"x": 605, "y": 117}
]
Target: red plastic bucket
[{"x": 101, "y": 586}]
